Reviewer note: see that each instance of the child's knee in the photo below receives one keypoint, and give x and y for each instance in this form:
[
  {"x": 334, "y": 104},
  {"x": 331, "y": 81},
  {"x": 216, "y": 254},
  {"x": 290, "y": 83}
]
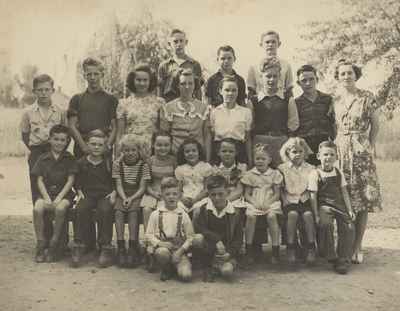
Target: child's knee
[
  {"x": 308, "y": 216},
  {"x": 198, "y": 241},
  {"x": 227, "y": 270},
  {"x": 62, "y": 207},
  {"x": 163, "y": 255},
  {"x": 272, "y": 218},
  {"x": 292, "y": 216},
  {"x": 251, "y": 220},
  {"x": 39, "y": 207},
  {"x": 147, "y": 211}
]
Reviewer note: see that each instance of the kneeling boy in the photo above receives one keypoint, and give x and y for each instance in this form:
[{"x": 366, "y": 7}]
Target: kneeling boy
[
  {"x": 221, "y": 227},
  {"x": 170, "y": 232}
]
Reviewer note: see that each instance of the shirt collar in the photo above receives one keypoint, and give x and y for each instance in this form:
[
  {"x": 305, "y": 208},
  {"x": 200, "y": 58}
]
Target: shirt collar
[
  {"x": 261, "y": 95},
  {"x": 219, "y": 72},
  {"x": 221, "y": 166},
  {"x": 186, "y": 58},
  {"x": 269, "y": 171},
  {"x": 35, "y": 106},
  {"x": 228, "y": 209},
  {"x": 49, "y": 155},
  {"x": 178, "y": 210}
]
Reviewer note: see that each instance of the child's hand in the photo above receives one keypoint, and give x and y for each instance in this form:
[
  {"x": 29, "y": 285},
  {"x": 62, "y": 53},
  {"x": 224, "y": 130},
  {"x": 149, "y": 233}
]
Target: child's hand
[
  {"x": 47, "y": 201},
  {"x": 80, "y": 196},
  {"x": 157, "y": 195},
  {"x": 176, "y": 256},
  {"x": 220, "y": 248},
  {"x": 127, "y": 202},
  {"x": 56, "y": 201},
  {"x": 352, "y": 216},
  {"x": 112, "y": 197}
]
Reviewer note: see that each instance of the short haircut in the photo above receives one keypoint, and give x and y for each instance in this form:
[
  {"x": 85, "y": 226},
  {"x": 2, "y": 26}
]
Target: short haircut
[
  {"x": 176, "y": 31},
  {"x": 294, "y": 142},
  {"x": 268, "y": 33},
  {"x": 306, "y": 68},
  {"x": 227, "y": 79},
  {"x": 327, "y": 144},
  {"x": 262, "y": 148},
  {"x": 270, "y": 63},
  {"x": 357, "y": 70},
  {"x": 226, "y": 48},
  {"x": 42, "y": 79},
  {"x": 181, "y": 155},
  {"x": 92, "y": 62},
  {"x": 96, "y": 133},
  {"x": 186, "y": 72},
  {"x": 216, "y": 181},
  {"x": 169, "y": 182},
  {"x": 129, "y": 140},
  {"x": 158, "y": 134},
  {"x": 144, "y": 67},
  {"x": 60, "y": 129},
  {"x": 228, "y": 141}
]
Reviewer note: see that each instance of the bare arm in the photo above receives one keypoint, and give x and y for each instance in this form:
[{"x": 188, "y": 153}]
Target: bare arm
[
  {"x": 314, "y": 205},
  {"x": 141, "y": 190},
  {"x": 346, "y": 199},
  {"x": 113, "y": 133},
  {"x": 67, "y": 187},
  {"x": 120, "y": 189},
  {"x": 42, "y": 189},
  {"x": 121, "y": 125},
  {"x": 293, "y": 116},
  {"x": 72, "y": 124}
]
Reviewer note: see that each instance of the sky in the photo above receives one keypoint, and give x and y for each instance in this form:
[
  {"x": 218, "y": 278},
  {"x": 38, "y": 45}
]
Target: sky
[{"x": 41, "y": 32}]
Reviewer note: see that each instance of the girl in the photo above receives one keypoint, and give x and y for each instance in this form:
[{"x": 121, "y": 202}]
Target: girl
[
  {"x": 138, "y": 114},
  {"x": 295, "y": 196},
  {"x": 192, "y": 172},
  {"x": 161, "y": 164},
  {"x": 231, "y": 170},
  {"x": 262, "y": 190},
  {"x": 230, "y": 120},
  {"x": 185, "y": 117},
  {"x": 132, "y": 175}
]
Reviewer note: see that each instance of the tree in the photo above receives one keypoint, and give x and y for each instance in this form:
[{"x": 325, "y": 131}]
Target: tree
[
  {"x": 121, "y": 46},
  {"x": 367, "y": 30}
]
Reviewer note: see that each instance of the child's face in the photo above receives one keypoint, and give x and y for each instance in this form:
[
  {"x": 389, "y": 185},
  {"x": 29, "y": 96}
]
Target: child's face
[
  {"x": 142, "y": 82},
  {"x": 347, "y": 76},
  {"x": 227, "y": 154},
  {"x": 191, "y": 154},
  {"x": 58, "y": 142},
  {"x": 270, "y": 44},
  {"x": 186, "y": 85},
  {"x": 328, "y": 157},
  {"x": 178, "y": 43},
  {"x": 43, "y": 92},
  {"x": 296, "y": 155},
  {"x": 307, "y": 81},
  {"x": 93, "y": 76},
  {"x": 97, "y": 146},
  {"x": 162, "y": 146},
  {"x": 262, "y": 161},
  {"x": 226, "y": 60},
  {"x": 218, "y": 197},
  {"x": 131, "y": 153},
  {"x": 270, "y": 78},
  {"x": 171, "y": 196},
  {"x": 229, "y": 92}
]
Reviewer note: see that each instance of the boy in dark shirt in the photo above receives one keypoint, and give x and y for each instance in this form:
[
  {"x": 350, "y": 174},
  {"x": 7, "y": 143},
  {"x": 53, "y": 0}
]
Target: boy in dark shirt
[
  {"x": 95, "y": 191},
  {"x": 221, "y": 227},
  {"x": 55, "y": 172},
  {"x": 316, "y": 117}
]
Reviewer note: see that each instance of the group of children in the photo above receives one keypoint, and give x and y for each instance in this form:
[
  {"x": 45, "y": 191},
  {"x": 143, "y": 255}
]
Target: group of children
[{"x": 197, "y": 197}]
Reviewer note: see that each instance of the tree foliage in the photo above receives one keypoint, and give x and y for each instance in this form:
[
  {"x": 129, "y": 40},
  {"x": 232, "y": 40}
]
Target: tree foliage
[{"x": 122, "y": 45}]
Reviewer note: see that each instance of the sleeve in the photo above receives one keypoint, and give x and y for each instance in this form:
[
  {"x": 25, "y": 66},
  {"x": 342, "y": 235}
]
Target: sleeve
[
  {"x": 200, "y": 226},
  {"x": 113, "y": 107},
  {"x": 37, "y": 169},
  {"x": 278, "y": 178},
  {"x": 179, "y": 173},
  {"x": 207, "y": 170},
  {"x": 25, "y": 126},
  {"x": 247, "y": 180},
  {"x": 241, "y": 98},
  {"x": 73, "y": 166},
  {"x": 288, "y": 78},
  {"x": 313, "y": 181},
  {"x": 151, "y": 231},
  {"x": 146, "y": 172},
  {"x": 120, "y": 111},
  {"x": 249, "y": 120},
  {"x": 115, "y": 170},
  {"x": 198, "y": 72},
  {"x": 251, "y": 78},
  {"x": 293, "y": 115},
  {"x": 72, "y": 110}
]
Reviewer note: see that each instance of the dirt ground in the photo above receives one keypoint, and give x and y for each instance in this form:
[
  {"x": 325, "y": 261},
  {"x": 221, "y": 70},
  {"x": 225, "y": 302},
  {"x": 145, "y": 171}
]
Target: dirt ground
[{"x": 25, "y": 285}]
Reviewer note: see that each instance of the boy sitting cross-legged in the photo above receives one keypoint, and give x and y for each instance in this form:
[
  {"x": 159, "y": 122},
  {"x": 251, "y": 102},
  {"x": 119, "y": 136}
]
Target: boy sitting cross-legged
[
  {"x": 221, "y": 228},
  {"x": 170, "y": 233}
]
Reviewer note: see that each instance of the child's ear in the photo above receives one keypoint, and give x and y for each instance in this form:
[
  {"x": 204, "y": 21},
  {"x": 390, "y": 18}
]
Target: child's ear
[{"x": 318, "y": 157}]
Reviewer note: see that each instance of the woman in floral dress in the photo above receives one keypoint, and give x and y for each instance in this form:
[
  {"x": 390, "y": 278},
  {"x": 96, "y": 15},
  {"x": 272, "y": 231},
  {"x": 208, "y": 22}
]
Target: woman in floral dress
[
  {"x": 138, "y": 114},
  {"x": 357, "y": 122}
]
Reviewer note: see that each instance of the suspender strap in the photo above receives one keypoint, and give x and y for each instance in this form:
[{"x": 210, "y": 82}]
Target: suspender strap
[
  {"x": 161, "y": 225},
  {"x": 179, "y": 226}
]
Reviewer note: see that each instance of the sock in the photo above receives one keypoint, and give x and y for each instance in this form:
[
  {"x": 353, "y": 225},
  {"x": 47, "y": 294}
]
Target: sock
[
  {"x": 275, "y": 251},
  {"x": 121, "y": 244}
]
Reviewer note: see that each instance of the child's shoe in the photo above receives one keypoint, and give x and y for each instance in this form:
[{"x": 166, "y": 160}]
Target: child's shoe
[
  {"x": 291, "y": 254},
  {"x": 40, "y": 248},
  {"x": 342, "y": 267},
  {"x": 76, "y": 254},
  {"x": 311, "y": 256},
  {"x": 249, "y": 257},
  {"x": 209, "y": 275},
  {"x": 132, "y": 258},
  {"x": 106, "y": 256},
  {"x": 121, "y": 257},
  {"x": 166, "y": 273},
  {"x": 275, "y": 259},
  {"x": 51, "y": 254},
  {"x": 150, "y": 263}
]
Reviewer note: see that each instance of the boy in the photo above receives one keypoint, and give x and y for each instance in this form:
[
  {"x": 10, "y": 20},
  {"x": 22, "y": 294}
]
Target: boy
[
  {"x": 221, "y": 228},
  {"x": 167, "y": 69},
  {"x": 275, "y": 115},
  {"x": 170, "y": 232},
  {"x": 270, "y": 42},
  {"x": 226, "y": 58},
  {"x": 330, "y": 200},
  {"x": 93, "y": 109},
  {"x": 36, "y": 122},
  {"x": 315, "y": 109},
  {"x": 55, "y": 172},
  {"x": 95, "y": 191}
]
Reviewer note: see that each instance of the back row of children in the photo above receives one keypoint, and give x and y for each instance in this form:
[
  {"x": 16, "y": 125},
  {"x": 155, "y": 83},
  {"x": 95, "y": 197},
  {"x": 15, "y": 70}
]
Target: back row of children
[{"x": 92, "y": 121}]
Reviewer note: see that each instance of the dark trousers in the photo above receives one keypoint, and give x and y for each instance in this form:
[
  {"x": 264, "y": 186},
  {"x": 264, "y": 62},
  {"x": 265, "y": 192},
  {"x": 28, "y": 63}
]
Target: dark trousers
[
  {"x": 345, "y": 232},
  {"x": 313, "y": 142},
  {"x": 104, "y": 217}
]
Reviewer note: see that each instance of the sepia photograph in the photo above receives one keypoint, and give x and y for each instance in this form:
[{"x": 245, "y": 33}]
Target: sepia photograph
[{"x": 203, "y": 155}]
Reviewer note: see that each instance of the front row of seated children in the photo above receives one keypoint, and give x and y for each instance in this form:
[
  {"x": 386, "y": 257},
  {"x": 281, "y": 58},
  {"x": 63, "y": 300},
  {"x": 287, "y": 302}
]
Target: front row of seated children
[{"x": 215, "y": 198}]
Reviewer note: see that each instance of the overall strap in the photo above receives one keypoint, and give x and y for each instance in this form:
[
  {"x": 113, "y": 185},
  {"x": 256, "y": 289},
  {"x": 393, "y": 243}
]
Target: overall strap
[
  {"x": 161, "y": 225},
  {"x": 179, "y": 226}
]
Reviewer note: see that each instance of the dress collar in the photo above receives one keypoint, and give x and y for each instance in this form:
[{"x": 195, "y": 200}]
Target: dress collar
[{"x": 228, "y": 209}]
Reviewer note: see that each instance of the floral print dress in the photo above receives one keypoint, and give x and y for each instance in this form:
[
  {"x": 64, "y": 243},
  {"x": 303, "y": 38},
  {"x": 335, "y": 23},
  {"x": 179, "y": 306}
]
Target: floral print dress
[
  {"x": 141, "y": 116},
  {"x": 353, "y": 120}
]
